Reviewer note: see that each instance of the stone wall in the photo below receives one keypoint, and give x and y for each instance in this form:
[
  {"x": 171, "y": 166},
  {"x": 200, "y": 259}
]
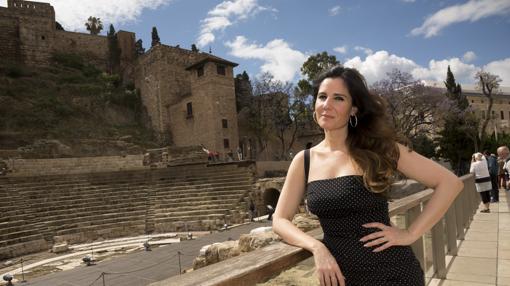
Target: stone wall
[
  {"x": 213, "y": 100},
  {"x": 161, "y": 76},
  {"x": 265, "y": 167},
  {"x": 93, "y": 47},
  {"x": 29, "y": 28},
  {"x": 9, "y": 42}
]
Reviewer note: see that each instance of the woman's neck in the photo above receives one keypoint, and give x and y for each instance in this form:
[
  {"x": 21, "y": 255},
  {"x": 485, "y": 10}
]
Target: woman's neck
[{"x": 335, "y": 140}]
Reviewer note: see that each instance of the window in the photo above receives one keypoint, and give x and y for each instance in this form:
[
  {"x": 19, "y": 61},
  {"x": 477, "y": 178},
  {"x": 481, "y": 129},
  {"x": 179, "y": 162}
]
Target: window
[
  {"x": 189, "y": 110},
  {"x": 482, "y": 100},
  {"x": 483, "y": 114},
  {"x": 43, "y": 37},
  {"x": 220, "y": 69},
  {"x": 472, "y": 101},
  {"x": 200, "y": 71},
  {"x": 226, "y": 144},
  {"x": 502, "y": 115},
  {"x": 224, "y": 123},
  {"x": 493, "y": 114}
]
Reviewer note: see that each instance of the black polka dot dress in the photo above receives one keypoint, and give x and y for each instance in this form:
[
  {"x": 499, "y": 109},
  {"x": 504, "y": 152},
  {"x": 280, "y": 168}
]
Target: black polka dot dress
[{"x": 343, "y": 205}]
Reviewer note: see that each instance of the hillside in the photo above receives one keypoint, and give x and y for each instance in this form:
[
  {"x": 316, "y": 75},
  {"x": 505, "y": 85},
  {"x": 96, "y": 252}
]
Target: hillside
[{"x": 69, "y": 109}]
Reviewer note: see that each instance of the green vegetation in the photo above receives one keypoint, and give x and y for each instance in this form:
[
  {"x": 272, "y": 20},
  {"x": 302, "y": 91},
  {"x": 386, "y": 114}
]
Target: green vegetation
[{"x": 70, "y": 99}]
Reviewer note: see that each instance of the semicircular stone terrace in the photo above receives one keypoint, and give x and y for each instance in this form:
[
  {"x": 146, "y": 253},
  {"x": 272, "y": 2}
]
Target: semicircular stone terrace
[{"x": 40, "y": 211}]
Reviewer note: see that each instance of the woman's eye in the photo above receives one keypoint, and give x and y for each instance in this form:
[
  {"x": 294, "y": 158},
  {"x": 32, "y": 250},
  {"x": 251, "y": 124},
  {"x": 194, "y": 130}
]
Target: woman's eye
[
  {"x": 339, "y": 98},
  {"x": 322, "y": 97}
]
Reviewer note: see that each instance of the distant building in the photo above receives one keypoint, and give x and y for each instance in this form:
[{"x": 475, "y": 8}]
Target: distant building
[{"x": 500, "y": 115}]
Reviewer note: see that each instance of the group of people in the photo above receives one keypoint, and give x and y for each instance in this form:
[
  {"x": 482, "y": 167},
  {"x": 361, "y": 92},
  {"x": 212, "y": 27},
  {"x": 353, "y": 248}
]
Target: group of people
[{"x": 491, "y": 174}]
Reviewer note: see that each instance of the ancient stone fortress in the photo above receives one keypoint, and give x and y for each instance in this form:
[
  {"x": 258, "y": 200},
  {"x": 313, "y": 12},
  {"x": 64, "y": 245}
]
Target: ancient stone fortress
[{"x": 189, "y": 96}]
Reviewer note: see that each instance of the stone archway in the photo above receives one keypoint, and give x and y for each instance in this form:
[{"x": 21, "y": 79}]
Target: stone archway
[{"x": 270, "y": 197}]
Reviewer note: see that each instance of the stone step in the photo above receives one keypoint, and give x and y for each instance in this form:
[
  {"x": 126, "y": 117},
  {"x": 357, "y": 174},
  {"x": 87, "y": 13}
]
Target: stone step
[
  {"x": 183, "y": 198},
  {"x": 182, "y": 181},
  {"x": 98, "y": 177}
]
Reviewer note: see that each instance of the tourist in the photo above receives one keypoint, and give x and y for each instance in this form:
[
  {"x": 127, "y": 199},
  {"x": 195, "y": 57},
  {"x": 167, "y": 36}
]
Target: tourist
[
  {"x": 492, "y": 164},
  {"x": 345, "y": 177},
  {"x": 482, "y": 179},
  {"x": 504, "y": 154}
]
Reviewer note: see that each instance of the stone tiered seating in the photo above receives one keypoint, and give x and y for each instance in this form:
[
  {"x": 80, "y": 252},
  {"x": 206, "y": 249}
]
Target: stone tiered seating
[{"x": 39, "y": 211}]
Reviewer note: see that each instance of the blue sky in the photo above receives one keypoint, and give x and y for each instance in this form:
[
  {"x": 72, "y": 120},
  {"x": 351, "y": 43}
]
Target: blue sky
[{"x": 420, "y": 37}]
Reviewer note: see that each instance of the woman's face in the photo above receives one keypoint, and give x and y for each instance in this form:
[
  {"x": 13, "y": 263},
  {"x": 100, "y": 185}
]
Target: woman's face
[{"x": 334, "y": 104}]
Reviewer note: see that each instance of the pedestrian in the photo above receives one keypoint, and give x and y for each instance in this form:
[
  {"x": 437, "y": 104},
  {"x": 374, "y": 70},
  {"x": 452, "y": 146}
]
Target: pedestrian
[
  {"x": 492, "y": 164},
  {"x": 344, "y": 178},
  {"x": 504, "y": 154},
  {"x": 239, "y": 153},
  {"x": 482, "y": 179}
]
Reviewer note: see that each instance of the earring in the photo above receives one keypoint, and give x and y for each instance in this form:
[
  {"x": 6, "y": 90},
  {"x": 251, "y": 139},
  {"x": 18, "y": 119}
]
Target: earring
[
  {"x": 353, "y": 125},
  {"x": 314, "y": 117}
]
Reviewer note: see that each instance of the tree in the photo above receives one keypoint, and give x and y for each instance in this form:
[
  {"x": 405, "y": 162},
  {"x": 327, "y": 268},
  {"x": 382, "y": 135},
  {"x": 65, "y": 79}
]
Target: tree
[
  {"x": 59, "y": 27},
  {"x": 489, "y": 84},
  {"x": 194, "y": 48},
  {"x": 458, "y": 137},
  {"x": 139, "y": 49},
  {"x": 113, "y": 50},
  {"x": 316, "y": 64},
  {"x": 155, "y": 37},
  {"x": 454, "y": 90},
  {"x": 94, "y": 25},
  {"x": 414, "y": 108},
  {"x": 243, "y": 91}
]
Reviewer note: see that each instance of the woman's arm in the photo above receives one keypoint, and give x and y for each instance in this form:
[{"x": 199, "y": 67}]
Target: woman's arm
[
  {"x": 327, "y": 269},
  {"x": 446, "y": 187},
  {"x": 288, "y": 202}
]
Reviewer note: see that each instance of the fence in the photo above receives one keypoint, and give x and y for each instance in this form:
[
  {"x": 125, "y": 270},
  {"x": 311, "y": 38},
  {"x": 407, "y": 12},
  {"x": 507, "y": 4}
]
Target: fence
[{"x": 260, "y": 265}]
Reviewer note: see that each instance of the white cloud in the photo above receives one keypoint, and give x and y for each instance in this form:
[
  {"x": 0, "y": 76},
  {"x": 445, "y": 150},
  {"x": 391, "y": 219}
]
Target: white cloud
[
  {"x": 72, "y": 15},
  {"x": 408, "y": 1},
  {"x": 376, "y": 66},
  {"x": 341, "y": 50},
  {"x": 472, "y": 11},
  {"x": 334, "y": 11},
  {"x": 469, "y": 56},
  {"x": 367, "y": 51},
  {"x": 500, "y": 68},
  {"x": 279, "y": 58},
  {"x": 436, "y": 71},
  {"x": 226, "y": 14}
]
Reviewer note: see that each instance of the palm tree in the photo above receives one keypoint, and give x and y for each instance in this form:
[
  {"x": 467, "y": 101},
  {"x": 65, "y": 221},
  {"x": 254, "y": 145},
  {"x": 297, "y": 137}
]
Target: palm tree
[{"x": 94, "y": 25}]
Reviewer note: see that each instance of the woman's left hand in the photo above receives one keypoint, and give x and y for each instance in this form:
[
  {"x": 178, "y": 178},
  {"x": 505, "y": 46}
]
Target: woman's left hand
[{"x": 387, "y": 236}]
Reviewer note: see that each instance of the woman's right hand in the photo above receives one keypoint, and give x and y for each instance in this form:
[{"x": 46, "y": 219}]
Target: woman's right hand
[{"x": 327, "y": 268}]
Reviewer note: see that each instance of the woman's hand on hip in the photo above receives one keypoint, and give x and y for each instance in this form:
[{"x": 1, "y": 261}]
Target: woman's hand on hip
[
  {"x": 386, "y": 237},
  {"x": 327, "y": 268}
]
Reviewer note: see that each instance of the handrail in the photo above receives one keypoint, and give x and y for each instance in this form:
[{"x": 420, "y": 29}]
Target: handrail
[{"x": 259, "y": 265}]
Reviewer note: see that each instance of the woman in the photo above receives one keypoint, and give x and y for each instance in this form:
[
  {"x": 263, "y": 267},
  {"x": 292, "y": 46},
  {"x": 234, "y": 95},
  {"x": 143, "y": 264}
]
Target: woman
[
  {"x": 344, "y": 177},
  {"x": 482, "y": 179}
]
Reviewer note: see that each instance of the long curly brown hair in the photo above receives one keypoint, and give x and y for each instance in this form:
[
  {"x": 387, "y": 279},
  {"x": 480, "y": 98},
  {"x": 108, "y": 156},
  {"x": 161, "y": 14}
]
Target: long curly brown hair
[{"x": 372, "y": 143}]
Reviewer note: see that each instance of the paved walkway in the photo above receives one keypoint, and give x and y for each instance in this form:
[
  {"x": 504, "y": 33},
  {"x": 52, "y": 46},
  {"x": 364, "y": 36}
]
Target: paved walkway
[
  {"x": 484, "y": 256},
  {"x": 141, "y": 268}
]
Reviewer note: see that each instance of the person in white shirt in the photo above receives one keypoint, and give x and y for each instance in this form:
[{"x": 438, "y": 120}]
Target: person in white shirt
[{"x": 482, "y": 179}]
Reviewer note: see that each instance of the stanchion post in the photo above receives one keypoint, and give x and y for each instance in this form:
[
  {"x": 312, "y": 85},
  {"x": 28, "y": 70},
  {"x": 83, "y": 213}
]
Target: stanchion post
[
  {"x": 179, "y": 254},
  {"x": 22, "y": 272}
]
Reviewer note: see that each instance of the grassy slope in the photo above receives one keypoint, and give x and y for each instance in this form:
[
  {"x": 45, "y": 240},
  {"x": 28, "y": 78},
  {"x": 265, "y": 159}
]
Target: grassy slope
[{"x": 68, "y": 100}]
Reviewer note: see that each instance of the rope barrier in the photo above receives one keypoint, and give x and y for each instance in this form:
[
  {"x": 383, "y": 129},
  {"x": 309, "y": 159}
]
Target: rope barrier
[
  {"x": 101, "y": 275},
  {"x": 140, "y": 269}
]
